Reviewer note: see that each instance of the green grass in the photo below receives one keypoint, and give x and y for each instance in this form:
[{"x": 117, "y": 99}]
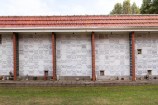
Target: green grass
[{"x": 115, "y": 95}]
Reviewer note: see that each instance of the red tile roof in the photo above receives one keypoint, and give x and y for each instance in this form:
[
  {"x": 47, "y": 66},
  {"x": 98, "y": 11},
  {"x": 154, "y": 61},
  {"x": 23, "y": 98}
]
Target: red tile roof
[{"x": 88, "y": 21}]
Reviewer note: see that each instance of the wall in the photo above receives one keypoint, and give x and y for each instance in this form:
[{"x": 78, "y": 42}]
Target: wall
[
  {"x": 73, "y": 54},
  {"x": 148, "y": 60},
  {"x": 6, "y": 54},
  {"x": 112, "y": 54},
  {"x": 35, "y": 54}
]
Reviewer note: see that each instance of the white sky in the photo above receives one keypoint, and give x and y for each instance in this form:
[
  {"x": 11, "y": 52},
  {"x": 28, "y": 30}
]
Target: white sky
[{"x": 58, "y": 7}]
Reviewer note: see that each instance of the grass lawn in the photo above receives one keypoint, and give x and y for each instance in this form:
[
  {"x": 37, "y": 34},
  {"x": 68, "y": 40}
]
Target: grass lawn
[{"x": 114, "y": 95}]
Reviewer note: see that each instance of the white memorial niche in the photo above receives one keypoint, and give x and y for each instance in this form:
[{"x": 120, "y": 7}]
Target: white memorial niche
[
  {"x": 73, "y": 54},
  {"x": 148, "y": 58},
  {"x": 35, "y": 54},
  {"x": 6, "y": 54},
  {"x": 112, "y": 55}
]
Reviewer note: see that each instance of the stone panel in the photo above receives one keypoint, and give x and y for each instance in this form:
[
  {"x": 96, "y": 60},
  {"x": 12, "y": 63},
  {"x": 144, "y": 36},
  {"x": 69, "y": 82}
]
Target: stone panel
[
  {"x": 148, "y": 59},
  {"x": 6, "y": 54},
  {"x": 35, "y": 54},
  {"x": 73, "y": 52},
  {"x": 112, "y": 54}
]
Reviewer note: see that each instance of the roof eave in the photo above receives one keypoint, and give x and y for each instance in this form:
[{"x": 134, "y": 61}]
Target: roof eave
[{"x": 79, "y": 29}]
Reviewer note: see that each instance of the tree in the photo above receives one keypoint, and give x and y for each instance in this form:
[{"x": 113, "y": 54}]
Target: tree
[
  {"x": 135, "y": 9},
  {"x": 149, "y": 7},
  {"x": 154, "y": 7},
  {"x": 146, "y": 6},
  {"x": 117, "y": 9},
  {"x": 126, "y": 7}
]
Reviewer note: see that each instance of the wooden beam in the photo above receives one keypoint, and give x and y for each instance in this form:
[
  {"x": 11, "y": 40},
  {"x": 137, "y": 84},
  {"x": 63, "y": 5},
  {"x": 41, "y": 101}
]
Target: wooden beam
[
  {"x": 93, "y": 56},
  {"x": 54, "y": 56},
  {"x": 133, "y": 57},
  {"x": 15, "y": 55}
]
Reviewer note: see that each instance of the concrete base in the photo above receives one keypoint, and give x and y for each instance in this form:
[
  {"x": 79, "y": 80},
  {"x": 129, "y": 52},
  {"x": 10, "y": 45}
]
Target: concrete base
[
  {"x": 75, "y": 83},
  {"x": 33, "y": 78},
  {"x": 145, "y": 77},
  {"x": 77, "y": 78},
  {"x": 113, "y": 78}
]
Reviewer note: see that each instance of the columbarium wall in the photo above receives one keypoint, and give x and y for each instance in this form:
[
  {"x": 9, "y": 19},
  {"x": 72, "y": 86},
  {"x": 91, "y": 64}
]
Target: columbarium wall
[
  {"x": 146, "y": 54},
  {"x": 6, "y": 54},
  {"x": 112, "y": 56},
  {"x": 35, "y": 54},
  {"x": 73, "y": 54}
]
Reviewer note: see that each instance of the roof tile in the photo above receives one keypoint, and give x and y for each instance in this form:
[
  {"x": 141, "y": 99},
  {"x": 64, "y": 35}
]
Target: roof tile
[{"x": 80, "y": 21}]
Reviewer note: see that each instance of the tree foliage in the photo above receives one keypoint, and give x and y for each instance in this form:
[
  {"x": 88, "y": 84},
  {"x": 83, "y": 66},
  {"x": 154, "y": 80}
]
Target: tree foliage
[
  {"x": 117, "y": 9},
  {"x": 149, "y": 7},
  {"x": 154, "y": 7},
  {"x": 126, "y": 8},
  {"x": 145, "y": 8},
  {"x": 135, "y": 9}
]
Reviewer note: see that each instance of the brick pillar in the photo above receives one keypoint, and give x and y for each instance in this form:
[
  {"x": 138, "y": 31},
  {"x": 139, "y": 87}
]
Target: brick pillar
[
  {"x": 15, "y": 55},
  {"x": 93, "y": 56},
  {"x": 132, "y": 56},
  {"x": 54, "y": 56}
]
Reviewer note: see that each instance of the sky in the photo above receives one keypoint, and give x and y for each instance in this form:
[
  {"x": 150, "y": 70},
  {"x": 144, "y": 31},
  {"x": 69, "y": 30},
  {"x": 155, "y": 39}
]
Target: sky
[{"x": 58, "y": 7}]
